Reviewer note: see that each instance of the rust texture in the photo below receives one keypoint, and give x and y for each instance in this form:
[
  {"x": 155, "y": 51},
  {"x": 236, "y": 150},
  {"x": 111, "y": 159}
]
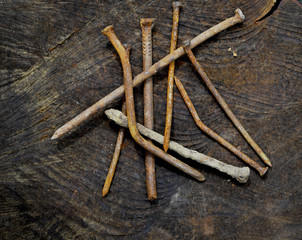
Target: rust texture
[
  {"x": 119, "y": 92},
  {"x": 118, "y": 147},
  {"x": 53, "y": 188},
  {"x": 241, "y": 174},
  {"x": 147, "y": 25},
  {"x": 224, "y": 106},
  {"x": 176, "y": 9},
  {"x": 214, "y": 135},
  {"x": 108, "y": 31}
]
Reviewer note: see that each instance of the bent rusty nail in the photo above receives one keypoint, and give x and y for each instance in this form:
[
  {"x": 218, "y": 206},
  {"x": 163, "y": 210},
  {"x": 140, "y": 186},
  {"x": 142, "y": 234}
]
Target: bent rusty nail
[
  {"x": 108, "y": 31},
  {"x": 176, "y": 8},
  {"x": 224, "y": 106},
  {"x": 214, "y": 135},
  {"x": 119, "y": 92},
  {"x": 147, "y": 25},
  {"x": 118, "y": 147},
  {"x": 241, "y": 174}
]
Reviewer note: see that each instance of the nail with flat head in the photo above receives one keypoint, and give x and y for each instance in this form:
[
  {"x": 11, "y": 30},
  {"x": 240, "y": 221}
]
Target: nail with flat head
[
  {"x": 131, "y": 113},
  {"x": 212, "y": 134},
  {"x": 147, "y": 25},
  {"x": 118, "y": 147},
  {"x": 119, "y": 92},
  {"x": 225, "y": 107},
  {"x": 241, "y": 174},
  {"x": 176, "y": 9}
]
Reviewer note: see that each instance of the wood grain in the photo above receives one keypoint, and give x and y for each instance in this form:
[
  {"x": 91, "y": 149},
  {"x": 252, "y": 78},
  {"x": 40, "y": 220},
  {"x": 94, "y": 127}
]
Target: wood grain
[{"x": 55, "y": 63}]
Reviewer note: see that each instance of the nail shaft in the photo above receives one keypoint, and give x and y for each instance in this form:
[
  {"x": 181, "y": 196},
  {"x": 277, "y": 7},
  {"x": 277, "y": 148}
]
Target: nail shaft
[
  {"x": 214, "y": 135},
  {"x": 224, "y": 106},
  {"x": 118, "y": 93},
  {"x": 117, "y": 150},
  {"x": 108, "y": 31},
  {"x": 147, "y": 25},
  {"x": 241, "y": 174},
  {"x": 176, "y": 8}
]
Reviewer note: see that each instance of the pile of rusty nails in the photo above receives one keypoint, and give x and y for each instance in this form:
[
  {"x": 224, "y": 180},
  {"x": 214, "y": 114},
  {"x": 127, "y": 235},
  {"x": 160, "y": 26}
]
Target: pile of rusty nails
[{"x": 241, "y": 174}]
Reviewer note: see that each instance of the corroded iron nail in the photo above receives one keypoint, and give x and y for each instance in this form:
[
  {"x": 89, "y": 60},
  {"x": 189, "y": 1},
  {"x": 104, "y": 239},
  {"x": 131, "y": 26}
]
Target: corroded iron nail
[
  {"x": 176, "y": 8},
  {"x": 241, "y": 174},
  {"x": 118, "y": 147},
  {"x": 214, "y": 135},
  {"x": 108, "y": 31},
  {"x": 119, "y": 92},
  {"x": 223, "y": 104},
  {"x": 147, "y": 25}
]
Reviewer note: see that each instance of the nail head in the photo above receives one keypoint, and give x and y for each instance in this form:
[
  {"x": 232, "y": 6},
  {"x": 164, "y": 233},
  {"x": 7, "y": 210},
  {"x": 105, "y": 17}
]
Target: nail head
[
  {"x": 240, "y": 14},
  {"x": 107, "y": 29},
  {"x": 177, "y": 4},
  {"x": 147, "y": 22}
]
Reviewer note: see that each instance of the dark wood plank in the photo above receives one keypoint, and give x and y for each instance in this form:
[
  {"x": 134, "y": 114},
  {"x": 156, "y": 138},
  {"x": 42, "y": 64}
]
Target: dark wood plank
[{"x": 55, "y": 63}]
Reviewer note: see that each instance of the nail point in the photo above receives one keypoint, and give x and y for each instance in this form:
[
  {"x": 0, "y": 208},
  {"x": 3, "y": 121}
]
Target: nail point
[
  {"x": 166, "y": 148},
  {"x": 104, "y": 193},
  {"x": 54, "y": 136},
  {"x": 265, "y": 159},
  {"x": 268, "y": 163}
]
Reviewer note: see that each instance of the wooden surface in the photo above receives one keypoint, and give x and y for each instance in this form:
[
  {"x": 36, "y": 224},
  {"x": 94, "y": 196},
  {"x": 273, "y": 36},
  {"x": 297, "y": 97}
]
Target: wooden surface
[{"x": 55, "y": 63}]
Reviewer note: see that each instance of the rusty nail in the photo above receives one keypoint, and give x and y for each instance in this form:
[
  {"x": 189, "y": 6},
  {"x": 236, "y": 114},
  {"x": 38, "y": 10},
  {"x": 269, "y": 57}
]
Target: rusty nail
[
  {"x": 241, "y": 174},
  {"x": 147, "y": 25},
  {"x": 212, "y": 134},
  {"x": 224, "y": 106},
  {"x": 108, "y": 31},
  {"x": 118, "y": 147},
  {"x": 119, "y": 92},
  {"x": 176, "y": 9}
]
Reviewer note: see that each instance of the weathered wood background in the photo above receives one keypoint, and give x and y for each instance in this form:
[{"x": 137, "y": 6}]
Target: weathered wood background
[{"x": 55, "y": 63}]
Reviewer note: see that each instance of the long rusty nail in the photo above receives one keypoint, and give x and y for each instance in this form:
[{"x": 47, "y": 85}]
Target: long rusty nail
[
  {"x": 241, "y": 174},
  {"x": 118, "y": 148},
  {"x": 147, "y": 25},
  {"x": 214, "y": 135},
  {"x": 119, "y": 92},
  {"x": 225, "y": 107},
  {"x": 176, "y": 9},
  {"x": 108, "y": 31}
]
